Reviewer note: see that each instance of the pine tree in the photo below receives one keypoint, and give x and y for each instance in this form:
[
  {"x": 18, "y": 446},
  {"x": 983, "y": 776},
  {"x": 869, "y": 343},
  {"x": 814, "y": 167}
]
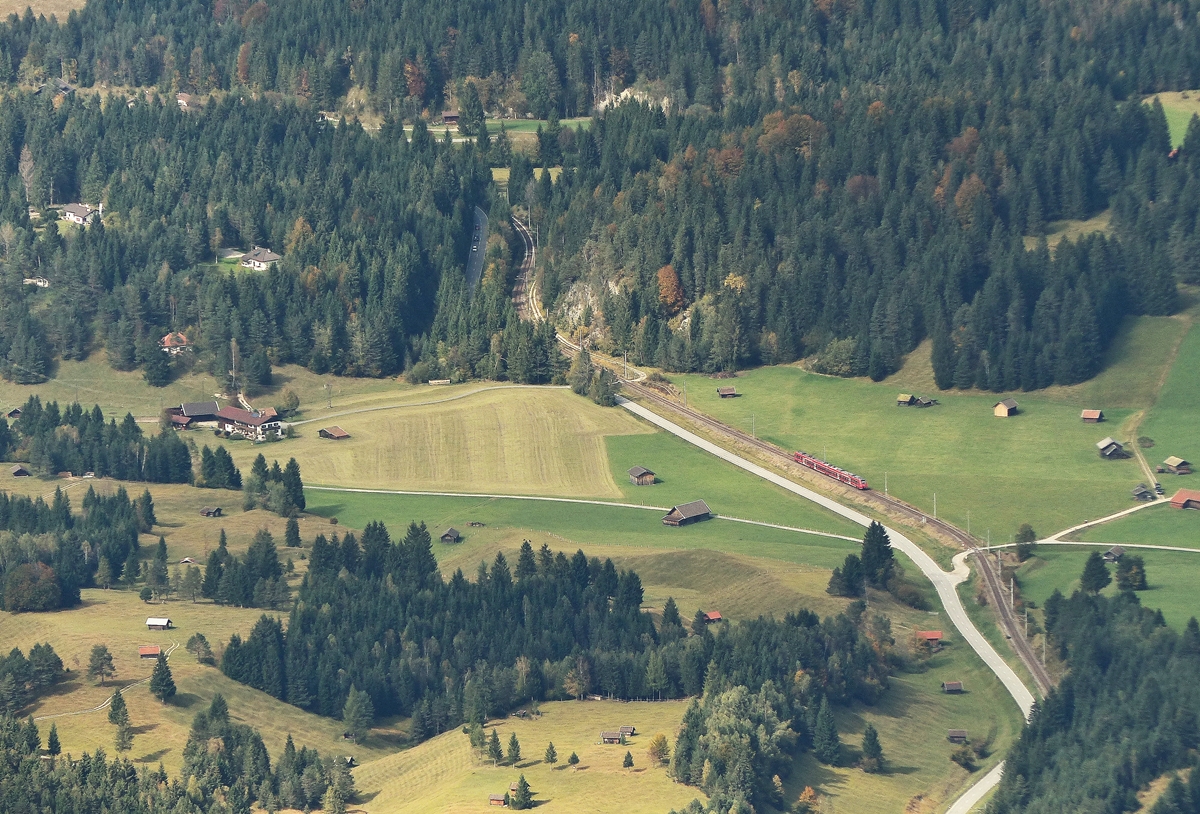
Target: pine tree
[
  {"x": 1026, "y": 542},
  {"x": 494, "y": 752},
  {"x": 514, "y": 749},
  {"x": 573, "y": 760},
  {"x": 293, "y": 485},
  {"x": 878, "y": 560},
  {"x": 291, "y": 535},
  {"x": 523, "y": 799},
  {"x": 100, "y": 663},
  {"x": 872, "y": 752},
  {"x": 656, "y": 675},
  {"x": 162, "y": 684},
  {"x": 118, "y": 713},
  {"x": 53, "y": 747},
  {"x": 628, "y": 761},
  {"x": 124, "y": 738},
  {"x": 358, "y": 714},
  {"x": 826, "y": 745},
  {"x": 551, "y": 754},
  {"x": 1095, "y": 575}
]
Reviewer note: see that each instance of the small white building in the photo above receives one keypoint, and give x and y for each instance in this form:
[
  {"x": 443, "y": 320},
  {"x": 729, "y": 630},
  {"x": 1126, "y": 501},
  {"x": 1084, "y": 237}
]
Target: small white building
[
  {"x": 81, "y": 214},
  {"x": 158, "y": 623},
  {"x": 260, "y": 259},
  {"x": 40, "y": 282}
]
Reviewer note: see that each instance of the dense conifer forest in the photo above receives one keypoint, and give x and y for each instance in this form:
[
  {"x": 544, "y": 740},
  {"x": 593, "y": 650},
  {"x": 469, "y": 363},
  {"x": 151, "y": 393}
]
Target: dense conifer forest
[
  {"x": 1124, "y": 715},
  {"x": 830, "y": 179}
]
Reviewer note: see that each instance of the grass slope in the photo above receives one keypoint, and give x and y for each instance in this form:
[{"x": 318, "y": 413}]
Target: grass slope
[
  {"x": 443, "y": 774},
  {"x": 1039, "y": 467},
  {"x": 1179, "y": 107},
  {"x": 1171, "y": 575},
  {"x": 1172, "y": 422},
  {"x": 1160, "y": 525},
  {"x": 524, "y": 441},
  {"x": 117, "y": 619}
]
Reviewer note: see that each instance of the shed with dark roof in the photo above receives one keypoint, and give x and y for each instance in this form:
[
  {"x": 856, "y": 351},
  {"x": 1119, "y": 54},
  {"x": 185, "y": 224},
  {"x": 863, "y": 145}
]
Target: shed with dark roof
[
  {"x": 1004, "y": 409},
  {"x": 451, "y": 536},
  {"x": 687, "y": 513},
  {"x": 641, "y": 476}
]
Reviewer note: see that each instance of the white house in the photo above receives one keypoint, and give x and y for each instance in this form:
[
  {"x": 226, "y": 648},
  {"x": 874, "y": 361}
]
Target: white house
[
  {"x": 260, "y": 259},
  {"x": 82, "y": 214}
]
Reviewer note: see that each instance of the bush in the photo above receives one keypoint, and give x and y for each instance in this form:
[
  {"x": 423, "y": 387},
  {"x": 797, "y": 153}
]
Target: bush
[
  {"x": 964, "y": 756},
  {"x": 32, "y": 587},
  {"x": 910, "y": 595}
]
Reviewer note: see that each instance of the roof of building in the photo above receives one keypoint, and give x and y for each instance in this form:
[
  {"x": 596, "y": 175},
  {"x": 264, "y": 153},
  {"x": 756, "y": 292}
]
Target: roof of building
[
  {"x": 1092, "y": 414},
  {"x": 260, "y": 255},
  {"x": 712, "y": 616},
  {"x": 187, "y": 560},
  {"x": 926, "y": 401},
  {"x": 210, "y": 509},
  {"x": 149, "y": 650},
  {"x": 697, "y": 508},
  {"x": 723, "y": 390},
  {"x": 452, "y": 532},
  {"x": 81, "y": 210},
  {"x": 1175, "y": 461},
  {"x": 1116, "y": 551},
  {"x": 610, "y": 736},
  {"x": 1142, "y": 489},
  {"x": 182, "y": 420},
  {"x": 335, "y": 432},
  {"x": 18, "y": 469},
  {"x": 952, "y": 685},
  {"x": 638, "y": 471},
  {"x": 1183, "y": 496},
  {"x": 175, "y": 339},
  {"x": 240, "y": 416},
  {"x": 158, "y": 620},
  {"x": 904, "y": 397},
  {"x": 1011, "y": 404},
  {"x": 929, "y": 635},
  {"x": 1108, "y": 442},
  {"x": 956, "y": 733},
  {"x": 195, "y": 408}
]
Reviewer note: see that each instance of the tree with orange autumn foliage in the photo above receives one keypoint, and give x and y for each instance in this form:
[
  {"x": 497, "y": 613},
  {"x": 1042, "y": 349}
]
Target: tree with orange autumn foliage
[{"x": 670, "y": 292}]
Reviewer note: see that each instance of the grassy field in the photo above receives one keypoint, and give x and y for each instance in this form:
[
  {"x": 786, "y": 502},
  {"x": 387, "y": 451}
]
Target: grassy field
[
  {"x": 1039, "y": 467},
  {"x": 1072, "y": 230},
  {"x": 57, "y": 8},
  {"x": 117, "y": 619},
  {"x": 1172, "y": 422},
  {"x": 1160, "y": 525},
  {"x": 1171, "y": 575},
  {"x": 527, "y": 441},
  {"x": 1179, "y": 107}
]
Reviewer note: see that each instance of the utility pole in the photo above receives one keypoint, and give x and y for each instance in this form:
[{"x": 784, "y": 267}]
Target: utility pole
[
  {"x": 885, "y": 491},
  {"x": 935, "y": 505},
  {"x": 1012, "y": 592},
  {"x": 753, "y": 430}
]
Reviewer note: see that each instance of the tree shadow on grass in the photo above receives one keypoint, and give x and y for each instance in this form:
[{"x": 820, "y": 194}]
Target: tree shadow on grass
[
  {"x": 185, "y": 700},
  {"x": 143, "y": 729},
  {"x": 152, "y": 757},
  {"x": 326, "y": 510}
]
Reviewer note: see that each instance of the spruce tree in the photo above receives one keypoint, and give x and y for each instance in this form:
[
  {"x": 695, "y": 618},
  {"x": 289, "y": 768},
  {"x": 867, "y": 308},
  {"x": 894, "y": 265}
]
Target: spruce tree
[
  {"x": 514, "y": 749},
  {"x": 878, "y": 560},
  {"x": 872, "y": 752},
  {"x": 523, "y": 799},
  {"x": 494, "y": 752},
  {"x": 826, "y": 745},
  {"x": 294, "y": 485},
  {"x": 53, "y": 747},
  {"x": 358, "y": 714},
  {"x": 551, "y": 754},
  {"x": 118, "y": 713},
  {"x": 162, "y": 684},
  {"x": 1095, "y": 575},
  {"x": 291, "y": 535},
  {"x": 573, "y": 760},
  {"x": 628, "y": 761},
  {"x": 124, "y": 738}
]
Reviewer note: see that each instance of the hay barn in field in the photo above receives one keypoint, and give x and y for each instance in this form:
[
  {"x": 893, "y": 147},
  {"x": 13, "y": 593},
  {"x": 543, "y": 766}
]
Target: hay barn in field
[
  {"x": 1004, "y": 409},
  {"x": 1186, "y": 499},
  {"x": 1092, "y": 416},
  {"x": 687, "y": 513},
  {"x": 641, "y": 476},
  {"x": 334, "y": 433}
]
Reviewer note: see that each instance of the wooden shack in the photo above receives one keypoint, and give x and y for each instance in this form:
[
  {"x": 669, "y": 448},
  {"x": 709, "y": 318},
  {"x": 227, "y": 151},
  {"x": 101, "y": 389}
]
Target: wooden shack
[
  {"x": 727, "y": 392},
  {"x": 158, "y": 623},
  {"x": 1004, "y": 409},
  {"x": 1092, "y": 416},
  {"x": 149, "y": 651},
  {"x": 711, "y": 617},
  {"x": 628, "y": 731},
  {"x": 957, "y": 736},
  {"x": 210, "y": 511},
  {"x": 1113, "y": 554},
  {"x": 19, "y": 471},
  {"x": 496, "y": 800},
  {"x": 610, "y": 737},
  {"x": 1186, "y": 499},
  {"x": 1177, "y": 466},
  {"x": 952, "y": 687},
  {"x": 641, "y": 476},
  {"x": 1142, "y": 492},
  {"x": 687, "y": 513},
  {"x": 1111, "y": 448},
  {"x": 451, "y": 536},
  {"x": 905, "y": 400},
  {"x": 926, "y": 401},
  {"x": 333, "y": 433}
]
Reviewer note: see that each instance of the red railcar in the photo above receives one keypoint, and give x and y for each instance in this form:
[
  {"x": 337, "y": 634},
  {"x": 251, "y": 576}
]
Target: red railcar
[{"x": 816, "y": 464}]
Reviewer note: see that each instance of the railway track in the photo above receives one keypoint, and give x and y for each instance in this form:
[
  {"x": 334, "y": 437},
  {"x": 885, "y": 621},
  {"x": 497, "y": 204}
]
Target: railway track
[{"x": 530, "y": 309}]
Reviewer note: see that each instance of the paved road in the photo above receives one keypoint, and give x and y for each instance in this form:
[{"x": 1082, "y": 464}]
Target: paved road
[
  {"x": 479, "y": 247},
  {"x": 943, "y": 582},
  {"x": 1102, "y": 545},
  {"x": 1098, "y": 521}
]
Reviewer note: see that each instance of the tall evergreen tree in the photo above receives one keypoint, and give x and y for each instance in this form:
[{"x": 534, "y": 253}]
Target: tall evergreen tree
[{"x": 826, "y": 745}]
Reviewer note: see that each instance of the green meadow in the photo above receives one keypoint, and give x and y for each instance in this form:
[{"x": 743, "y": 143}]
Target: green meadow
[{"x": 1158, "y": 525}]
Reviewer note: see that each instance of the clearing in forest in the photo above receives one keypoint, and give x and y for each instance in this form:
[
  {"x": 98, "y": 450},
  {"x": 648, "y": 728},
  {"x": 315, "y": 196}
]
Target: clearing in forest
[{"x": 1179, "y": 107}]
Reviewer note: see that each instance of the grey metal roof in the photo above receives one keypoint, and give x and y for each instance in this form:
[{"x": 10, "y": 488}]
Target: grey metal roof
[
  {"x": 697, "y": 508},
  {"x": 196, "y": 408},
  {"x": 638, "y": 471}
]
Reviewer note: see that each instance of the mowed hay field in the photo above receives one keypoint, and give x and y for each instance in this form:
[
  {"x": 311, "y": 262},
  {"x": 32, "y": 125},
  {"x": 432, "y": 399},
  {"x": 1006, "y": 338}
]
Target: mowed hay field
[
  {"x": 1158, "y": 525},
  {"x": 56, "y": 8},
  {"x": 1170, "y": 574},
  {"x": 1179, "y": 107},
  {"x": 1174, "y": 422},
  {"x": 116, "y": 618},
  {"x": 523, "y": 440}
]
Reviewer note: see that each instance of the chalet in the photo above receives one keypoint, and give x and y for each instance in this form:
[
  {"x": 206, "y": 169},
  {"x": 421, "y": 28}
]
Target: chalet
[
  {"x": 628, "y": 731},
  {"x": 1092, "y": 416},
  {"x": 727, "y": 392},
  {"x": 1177, "y": 466},
  {"x": 1113, "y": 554},
  {"x": 957, "y": 736},
  {"x": 497, "y": 800},
  {"x": 451, "y": 536},
  {"x": 1142, "y": 492},
  {"x": 19, "y": 471},
  {"x": 1111, "y": 448},
  {"x": 149, "y": 651},
  {"x": 687, "y": 513},
  {"x": 158, "y": 623},
  {"x": 450, "y": 116},
  {"x": 641, "y": 476},
  {"x": 180, "y": 422},
  {"x": 210, "y": 511},
  {"x": 198, "y": 410},
  {"x": 256, "y": 425},
  {"x": 40, "y": 282},
  {"x": 260, "y": 259},
  {"x": 14, "y": 413},
  {"x": 175, "y": 343},
  {"x": 1004, "y": 409},
  {"x": 185, "y": 101},
  {"x": 334, "y": 433},
  {"x": 952, "y": 687},
  {"x": 905, "y": 400},
  {"x": 925, "y": 401},
  {"x": 188, "y": 561},
  {"x": 711, "y": 617},
  {"x": 610, "y": 737},
  {"x": 79, "y": 213},
  {"x": 1186, "y": 499}
]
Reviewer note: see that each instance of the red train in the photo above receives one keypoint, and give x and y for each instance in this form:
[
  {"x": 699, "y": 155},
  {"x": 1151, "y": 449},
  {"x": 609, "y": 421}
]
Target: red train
[{"x": 816, "y": 464}]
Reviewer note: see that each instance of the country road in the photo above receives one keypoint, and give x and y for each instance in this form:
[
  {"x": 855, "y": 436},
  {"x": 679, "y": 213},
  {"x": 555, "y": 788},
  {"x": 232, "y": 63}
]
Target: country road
[{"x": 478, "y": 249}]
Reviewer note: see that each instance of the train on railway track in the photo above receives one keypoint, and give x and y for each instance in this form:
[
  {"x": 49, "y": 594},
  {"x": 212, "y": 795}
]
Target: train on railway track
[{"x": 817, "y": 465}]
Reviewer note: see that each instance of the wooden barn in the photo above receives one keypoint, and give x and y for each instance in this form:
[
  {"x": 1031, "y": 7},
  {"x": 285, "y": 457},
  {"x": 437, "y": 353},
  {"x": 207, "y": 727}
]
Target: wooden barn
[
  {"x": 149, "y": 651},
  {"x": 1113, "y": 554},
  {"x": 334, "y": 433},
  {"x": 13, "y": 414},
  {"x": 711, "y": 617},
  {"x": 210, "y": 511},
  {"x": 641, "y": 476},
  {"x": 158, "y": 623},
  {"x": 451, "y": 536},
  {"x": 1111, "y": 448},
  {"x": 1177, "y": 466},
  {"x": 1142, "y": 492},
  {"x": 687, "y": 513},
  {"x": 628, "y": 731},
  {"x": 905, "y": 400},
  {"x": 957, "y": 736},
  {"x": 952, "y": 687},
  {"x": 926, "y": 401},
  {"x": 1004, "y": 409},
  {"x": 610, "y": 737},
  {"x": 1186, "y": 499},
  {"x": 727, "y": 392},
  {"x": 19, "y": 471},
  {"x": 1092, "y": 416},
  {"x": 496, "y": 800}
]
